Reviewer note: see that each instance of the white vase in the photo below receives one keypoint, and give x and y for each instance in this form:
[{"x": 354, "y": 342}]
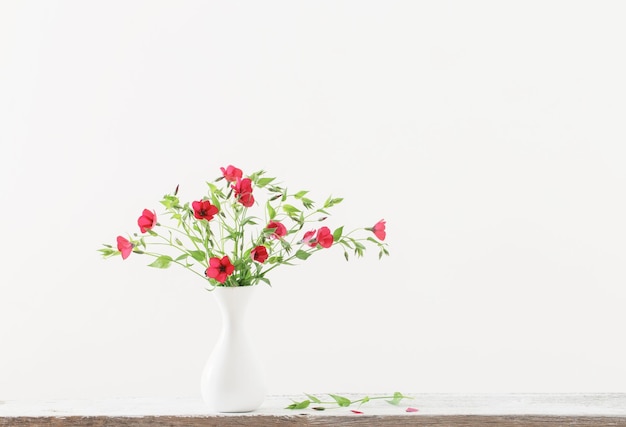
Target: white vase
[{"x": 233, "y": 379}]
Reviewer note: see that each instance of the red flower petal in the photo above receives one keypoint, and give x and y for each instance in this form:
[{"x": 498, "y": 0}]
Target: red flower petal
[
  {"x": 232, "y": 173},
  {"x": 124, "y": 246},
  {"x": 308, "y": 238},
  {"x": 279, "y": 229},
  {"x": 325, "y": 237},
  {"x": 243, "y": 192},
  {"x": 259, "y": 254},
  {"x": 147, "y": 220},
  {"x": 411, "y": 409},
  {"x": 379, "y": 229},
  {"x": 203, "y": 209},
  {"x": 356, "y": 412},
  {"x": 219, "y": 269}
]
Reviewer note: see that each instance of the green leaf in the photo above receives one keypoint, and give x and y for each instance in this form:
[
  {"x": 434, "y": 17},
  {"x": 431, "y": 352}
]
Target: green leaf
[
  {"x": 359, "y": 248},
  {"x": 271, "y": 212},
  {"x": 182, "y": 257},
  {"x": 163, "y": 261},
  {"x": 313, "y": 398},
  {"x": 299, "y": 405},
  {"x": 196, "y": 239},
  {"x": 341, "y": 401},
  {"x": 215, "y": 194},
  {"x": 198, "y": 255},
  {"x": 303, "y": 255},
  {"x": 107, "y": 252},
  {"x": 262, "y": 182},
  {"x": 300, "y": 194},
  {"x": 286, "y": 246},
  {"x": 397, "y": 397},
  {"x": 338, "y": 233},
  {"x": 332, "y": 201},
  {"x": 307, "y": 203},
  {"x": 256, "y": 175},
  {"x": 248, "y": 220},
  {"x": 290, "y": 209}
]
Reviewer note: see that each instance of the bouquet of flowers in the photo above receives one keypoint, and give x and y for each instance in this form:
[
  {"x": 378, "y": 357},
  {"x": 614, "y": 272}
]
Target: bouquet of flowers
[{"x": 229, "y": 238}]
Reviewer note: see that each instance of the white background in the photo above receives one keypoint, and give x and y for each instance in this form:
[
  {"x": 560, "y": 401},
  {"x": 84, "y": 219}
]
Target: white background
[{"x": 489, "y": 134}]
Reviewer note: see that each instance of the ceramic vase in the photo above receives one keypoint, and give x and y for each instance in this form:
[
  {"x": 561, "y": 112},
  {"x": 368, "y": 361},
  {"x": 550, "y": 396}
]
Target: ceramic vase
[{"x": 233, "y": 379}]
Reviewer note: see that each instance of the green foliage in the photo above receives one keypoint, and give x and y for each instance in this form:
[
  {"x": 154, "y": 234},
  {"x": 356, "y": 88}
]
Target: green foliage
[
  {"x": 313, "y": 398},
  {"x": 290, "y": 209},
  {"x": 303, "y": 255},
  {"x": 164, "y": 261},
  {"x": 338, "y": 233},
  {"x": 108, "y": 252},
  {"x": 306, "y": 202},
  {"x": 397, "y": 397},
  {"x": 341, "y": 401},
  {"x": 235, "y": 230},
  {"x": 299, "y": 405},
  {"x": 198, "y": 255},
  {"x": 337, "y": 401},
  {"x": 271, "y": 212},
  {"x": 262, "y": 182}
]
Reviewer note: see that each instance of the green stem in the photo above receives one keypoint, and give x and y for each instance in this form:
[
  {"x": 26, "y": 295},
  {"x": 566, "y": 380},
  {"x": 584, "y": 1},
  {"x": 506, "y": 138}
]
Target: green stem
[
  {"x": 188, "y": 232},
  {"x": 155, "y": 255},
  {"x": 175, "y": 246}
]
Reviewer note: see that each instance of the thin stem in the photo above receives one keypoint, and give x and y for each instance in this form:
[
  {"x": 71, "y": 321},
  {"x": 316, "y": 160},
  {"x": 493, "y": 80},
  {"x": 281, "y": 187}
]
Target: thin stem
[{"x": 155, "y": 255}]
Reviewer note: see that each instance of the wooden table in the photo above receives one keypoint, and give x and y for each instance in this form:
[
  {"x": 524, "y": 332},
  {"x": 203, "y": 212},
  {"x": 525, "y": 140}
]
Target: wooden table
[{"x": 443, "y": 409}]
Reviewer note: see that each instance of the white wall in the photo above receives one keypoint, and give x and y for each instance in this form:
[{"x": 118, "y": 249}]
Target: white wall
[{"x": 490, "y": 135}]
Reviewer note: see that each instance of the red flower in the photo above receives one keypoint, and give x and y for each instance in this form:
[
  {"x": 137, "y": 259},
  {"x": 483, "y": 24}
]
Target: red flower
[
  {"x": 324, "y": 237},
  {"x": 259, "y": 254},
  {"x": 379, "y": 229},
  {"x": 279, "y": 229},
  {"x": 147, "y": 220},
  {"x": 232, "y": 173},
  {"x": 204, "y": 210},
  {"x": 219, "y": 269},
  {"x": 243, "y": 192},
  {"x": 124, "y": 246},
  {"x": 308, "y": 238}
]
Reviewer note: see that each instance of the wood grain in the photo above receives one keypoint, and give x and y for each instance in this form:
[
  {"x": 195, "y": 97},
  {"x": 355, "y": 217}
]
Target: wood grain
[
  {"x": 506, "y": 410},
  {"x": 307, "y": 420}
]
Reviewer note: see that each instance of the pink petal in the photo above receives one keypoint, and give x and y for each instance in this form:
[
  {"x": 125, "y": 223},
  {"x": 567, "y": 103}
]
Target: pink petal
[
  {"x": 356, "y": 412},
  {"x": 411, "y": 409}
]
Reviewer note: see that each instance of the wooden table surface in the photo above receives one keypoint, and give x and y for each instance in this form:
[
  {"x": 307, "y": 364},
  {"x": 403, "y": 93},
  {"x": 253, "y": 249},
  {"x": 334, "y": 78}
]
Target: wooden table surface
[{"x": 442, "y": 409}]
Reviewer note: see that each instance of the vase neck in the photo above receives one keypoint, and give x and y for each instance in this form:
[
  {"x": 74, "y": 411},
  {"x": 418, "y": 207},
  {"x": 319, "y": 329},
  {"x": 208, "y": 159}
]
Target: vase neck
[{"x": 233, "y": 303}]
